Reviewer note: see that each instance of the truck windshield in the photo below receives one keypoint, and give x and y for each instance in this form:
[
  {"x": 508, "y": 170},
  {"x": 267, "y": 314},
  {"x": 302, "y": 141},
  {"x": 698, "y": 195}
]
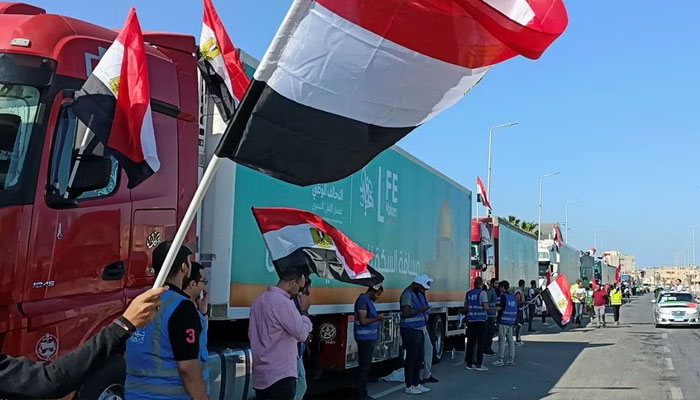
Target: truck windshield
[{"x": 18, "y": 107}]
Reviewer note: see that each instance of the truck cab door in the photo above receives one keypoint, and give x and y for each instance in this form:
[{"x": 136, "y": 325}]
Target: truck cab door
[{"x": 80, "y": 237}]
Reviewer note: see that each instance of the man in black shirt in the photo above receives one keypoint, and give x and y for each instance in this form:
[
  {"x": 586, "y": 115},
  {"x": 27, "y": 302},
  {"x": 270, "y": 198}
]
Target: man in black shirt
[
  {"x": 21, "y": 377},
  {"x": 166, "y": 367}
]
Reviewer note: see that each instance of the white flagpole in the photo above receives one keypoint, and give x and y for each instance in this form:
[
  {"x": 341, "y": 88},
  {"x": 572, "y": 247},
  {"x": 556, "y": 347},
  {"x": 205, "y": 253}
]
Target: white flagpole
[
  {"x": 77, "y": 162},
  {"x": 188, "y": 219}
]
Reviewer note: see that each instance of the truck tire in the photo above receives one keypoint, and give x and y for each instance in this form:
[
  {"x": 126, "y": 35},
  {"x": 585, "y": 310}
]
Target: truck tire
[
  {"x": 437, "y": 336},
  {"x": 105, "y": 384}
]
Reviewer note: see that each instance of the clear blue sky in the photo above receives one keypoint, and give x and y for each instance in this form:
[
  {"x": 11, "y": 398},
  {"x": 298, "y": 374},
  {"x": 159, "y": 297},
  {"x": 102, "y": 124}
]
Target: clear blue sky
[{"x": 613, "y": 105}]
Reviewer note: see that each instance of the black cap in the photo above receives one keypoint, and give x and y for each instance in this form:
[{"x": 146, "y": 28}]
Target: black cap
[{"x": 161, "y": 252}]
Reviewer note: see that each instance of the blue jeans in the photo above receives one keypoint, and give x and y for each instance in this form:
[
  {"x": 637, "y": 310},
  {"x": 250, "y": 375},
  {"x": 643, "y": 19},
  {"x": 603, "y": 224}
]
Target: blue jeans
[{"x": 301, "y": 380}]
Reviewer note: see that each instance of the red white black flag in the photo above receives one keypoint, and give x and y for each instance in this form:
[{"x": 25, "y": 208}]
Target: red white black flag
[
  {"x": 300, "y": 239},
  {"x": 481, "y": 194},
  {"x": 220, "y": 64},
  {"x": 115, "y": 104},
  {"x": 557, "y": 297},
  {"x": 345, "y": 79}
]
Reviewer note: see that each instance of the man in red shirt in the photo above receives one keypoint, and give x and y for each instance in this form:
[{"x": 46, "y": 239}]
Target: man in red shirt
[{"x": 600, "y": 299}]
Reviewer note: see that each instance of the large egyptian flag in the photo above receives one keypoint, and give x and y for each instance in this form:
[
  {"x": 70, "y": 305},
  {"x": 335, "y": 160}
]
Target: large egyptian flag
[
  {"x": 300, "y": 239},
  {"x": 115, "y": 104},
  {"x": 557, "y": 297},
  {"x": 345, "y": 79},
  {"x": 220, "y": 64}
]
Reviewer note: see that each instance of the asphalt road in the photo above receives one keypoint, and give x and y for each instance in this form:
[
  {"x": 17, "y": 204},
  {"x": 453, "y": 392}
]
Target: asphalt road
[{"x": 632, "y": 361}]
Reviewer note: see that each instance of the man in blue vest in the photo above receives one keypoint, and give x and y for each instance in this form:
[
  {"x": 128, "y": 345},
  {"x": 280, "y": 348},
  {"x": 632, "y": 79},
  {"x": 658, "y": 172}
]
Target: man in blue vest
[
  {"x": 493, "y": 296},
  {"x": 366, "y": 332},
  {"x": 163, "y": 358},
  {"x": 506, "y": 319},
  {"x": 476, "y": 305},
  {"x": 413, "y": 318}
]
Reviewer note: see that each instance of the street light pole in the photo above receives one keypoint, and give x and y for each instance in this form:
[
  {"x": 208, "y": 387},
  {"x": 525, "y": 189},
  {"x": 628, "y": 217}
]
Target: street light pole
[
  {"x": 595, "y": 239},
  {"x": 539, "y": 214},
  {"x": 488, "y": 173},
  {"x": 694, "y": 261},
  {"x": 566, "y": 207}
]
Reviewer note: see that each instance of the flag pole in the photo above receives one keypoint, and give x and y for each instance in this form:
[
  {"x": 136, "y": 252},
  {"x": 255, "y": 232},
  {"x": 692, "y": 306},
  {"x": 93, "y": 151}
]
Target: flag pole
[
  {"x": 197, "y": 199},
  {"x": 73, "y": 173}
]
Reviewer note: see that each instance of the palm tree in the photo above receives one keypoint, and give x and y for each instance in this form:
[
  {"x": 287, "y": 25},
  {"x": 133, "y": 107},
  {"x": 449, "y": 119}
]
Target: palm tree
[
  {"x": 513, "y": 220},
  {"x": 530, "y": 227}
]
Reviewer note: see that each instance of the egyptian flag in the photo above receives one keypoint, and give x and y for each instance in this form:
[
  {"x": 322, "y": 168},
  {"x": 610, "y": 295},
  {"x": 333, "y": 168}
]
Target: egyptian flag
[
  {"x": 481, "y": 194},
  {"x": 618, "y": 273},
  {"x": 345, "y": 79},
  {"x": 220, "y": 64},
  {"x": 299, "y": 239},
  {"x": 557, "y": 235},
  {"x": 115, "y": 104},
  {"x": 557, "y": 297},
  {"x": 595, "y": 284}
]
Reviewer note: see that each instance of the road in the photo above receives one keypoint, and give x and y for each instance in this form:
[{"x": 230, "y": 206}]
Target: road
[{"x": 632, "y": 361}]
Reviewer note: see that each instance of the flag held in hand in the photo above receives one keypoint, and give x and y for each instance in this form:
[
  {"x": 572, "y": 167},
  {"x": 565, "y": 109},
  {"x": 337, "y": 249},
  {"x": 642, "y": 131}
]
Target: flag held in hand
[{"x": 300, "y": 239}]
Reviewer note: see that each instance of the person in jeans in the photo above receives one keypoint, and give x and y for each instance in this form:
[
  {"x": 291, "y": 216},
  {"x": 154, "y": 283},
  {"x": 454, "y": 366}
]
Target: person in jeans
[
  {"x": 616, "y": 302},
  {"x": 600, "y": 299},
  {"x": 506, "y": 320},
  {"x": 493, "y": 296},
  {"x": 589, "y": 302},
  {"x": 366, "y": 332},
  {"x": 579, "y": 300},
  {"x": 413, "y": 318},
  {"x": 522, "y": 305},
  {"x": 531, "y": 307},
  {"x": 476, "y": 305}
]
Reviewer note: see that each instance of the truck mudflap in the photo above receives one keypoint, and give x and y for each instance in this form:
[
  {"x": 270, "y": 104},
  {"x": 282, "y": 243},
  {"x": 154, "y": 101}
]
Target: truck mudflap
[{"x": 230, "y": 373}]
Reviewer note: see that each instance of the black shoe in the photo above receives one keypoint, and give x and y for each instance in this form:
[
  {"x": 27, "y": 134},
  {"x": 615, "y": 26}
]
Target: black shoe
[
  {"x": 431, "y": 379},
  {"x": 490, "y": 353}
]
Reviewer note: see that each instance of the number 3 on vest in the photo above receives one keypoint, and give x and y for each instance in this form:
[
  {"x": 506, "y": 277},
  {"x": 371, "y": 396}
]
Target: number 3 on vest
[{"x": 190, "y": 335}]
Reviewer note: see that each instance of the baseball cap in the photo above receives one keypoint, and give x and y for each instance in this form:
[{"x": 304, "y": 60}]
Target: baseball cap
[{"x": 423, "y": 280}]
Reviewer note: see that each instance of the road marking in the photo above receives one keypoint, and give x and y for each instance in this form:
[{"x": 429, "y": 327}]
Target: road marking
[
  {"x": 665, "y": 349},
  {"x": 664, "y": 336},
  {"x": 669, "y": 364},
  {"x": 676, "y": 393},
  {"x": 388, "y": 391}
]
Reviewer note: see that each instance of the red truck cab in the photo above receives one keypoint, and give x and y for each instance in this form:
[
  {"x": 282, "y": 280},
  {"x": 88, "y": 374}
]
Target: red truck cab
[{"x": 71, "y": 258}]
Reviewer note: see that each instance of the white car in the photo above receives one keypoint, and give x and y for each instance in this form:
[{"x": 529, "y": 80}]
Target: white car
[{"x": 676, "y": 308}]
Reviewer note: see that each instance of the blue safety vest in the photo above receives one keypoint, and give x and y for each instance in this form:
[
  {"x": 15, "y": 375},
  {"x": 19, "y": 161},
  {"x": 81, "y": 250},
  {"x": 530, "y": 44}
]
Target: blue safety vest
[
  {"x": 151, "y": 369},
  {"x": 493, "y": 302},
  {"x": 417, "y": 321},
  {"x": 370, "y": 331},
  {"x": 511, "y": 311},
  {"x": 475, "y": 310}
]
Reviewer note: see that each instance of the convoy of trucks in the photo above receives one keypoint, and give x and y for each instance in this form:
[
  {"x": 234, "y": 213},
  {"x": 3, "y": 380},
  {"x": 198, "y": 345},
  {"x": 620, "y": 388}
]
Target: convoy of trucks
[{"x": 72, "y": 259}]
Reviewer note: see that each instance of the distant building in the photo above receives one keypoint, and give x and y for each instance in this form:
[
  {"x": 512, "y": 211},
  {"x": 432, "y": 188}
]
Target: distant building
[
  {"x": 626, "y": 261},
  {"x": 669, "y": 275}
]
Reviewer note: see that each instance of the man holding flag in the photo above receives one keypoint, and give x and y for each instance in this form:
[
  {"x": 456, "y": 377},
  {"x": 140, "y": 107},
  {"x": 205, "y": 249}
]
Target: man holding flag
[{"x": 557, "y": 297}]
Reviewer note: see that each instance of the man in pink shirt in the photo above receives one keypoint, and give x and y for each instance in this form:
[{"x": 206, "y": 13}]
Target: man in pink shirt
[{"x": 275, "y": 329}]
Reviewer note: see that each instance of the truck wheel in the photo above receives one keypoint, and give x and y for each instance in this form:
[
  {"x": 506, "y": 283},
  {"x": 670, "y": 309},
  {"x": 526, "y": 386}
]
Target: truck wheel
[
  {"x": 437, "y": 336},
  {"x": 107, "y": 383}
]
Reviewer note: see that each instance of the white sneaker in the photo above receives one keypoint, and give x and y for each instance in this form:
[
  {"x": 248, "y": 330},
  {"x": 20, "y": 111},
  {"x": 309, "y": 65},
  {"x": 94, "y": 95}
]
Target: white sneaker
[
  {"x": 519, "y": 344},
  {"x": 481, "y": 368},
  {"x": 498, "y": 363},
  {"x": 423, "y": 388},
  {"x": 413, "y": 390}
]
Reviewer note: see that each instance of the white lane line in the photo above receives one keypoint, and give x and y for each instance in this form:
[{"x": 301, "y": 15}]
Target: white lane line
[
  {"x": 676, "y": 393},
  {"x": 664, "y": 336},
  {"x": 387, "y": 392},
  {"x": 669, "y": 364}
]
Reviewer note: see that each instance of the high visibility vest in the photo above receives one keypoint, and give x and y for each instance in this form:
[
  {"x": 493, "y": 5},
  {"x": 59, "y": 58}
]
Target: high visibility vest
[
  {"x": 589, "y": 297},
  {"x": 475, "y": 310},
  {"x": 511, "y": 311},
  {"x": 493, "y": 302},
  {"x": 151, "y": 368},
  {"x": 616, "y": 297},
  {"x": 366, "y": 332},
  {"x": 419, "y": 320}
]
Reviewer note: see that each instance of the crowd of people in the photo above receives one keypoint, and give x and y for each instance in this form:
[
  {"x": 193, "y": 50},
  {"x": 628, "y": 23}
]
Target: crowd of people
[{"x": 593, "y": 300}]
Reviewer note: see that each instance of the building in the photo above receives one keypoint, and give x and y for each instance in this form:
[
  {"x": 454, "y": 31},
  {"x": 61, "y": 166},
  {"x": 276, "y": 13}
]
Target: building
[
  {"x": 668, "y": 275},
  {"x": 626, "y": 261}
]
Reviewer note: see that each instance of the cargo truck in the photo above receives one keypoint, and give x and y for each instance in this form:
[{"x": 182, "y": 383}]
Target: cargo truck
[
  {"x": 557, "y": 257},
  {"x": 72, "y": 259},
  {"x": 504, "y": 251}
]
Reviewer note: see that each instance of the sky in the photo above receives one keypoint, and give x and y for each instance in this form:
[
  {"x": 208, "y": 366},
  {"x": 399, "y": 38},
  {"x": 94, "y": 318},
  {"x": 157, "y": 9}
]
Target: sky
[{"x": 612, "y": 105}]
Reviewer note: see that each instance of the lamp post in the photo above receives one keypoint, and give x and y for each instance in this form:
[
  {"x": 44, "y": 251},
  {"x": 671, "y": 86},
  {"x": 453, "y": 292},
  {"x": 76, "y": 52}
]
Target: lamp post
[
  {"x": 566, "y": 207},
  {"x": 694, "y": 261},
  {"x": 595, "y": 239},
  {"x": 539, "y": 214},
  {"x": 488, "y": 173}
]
